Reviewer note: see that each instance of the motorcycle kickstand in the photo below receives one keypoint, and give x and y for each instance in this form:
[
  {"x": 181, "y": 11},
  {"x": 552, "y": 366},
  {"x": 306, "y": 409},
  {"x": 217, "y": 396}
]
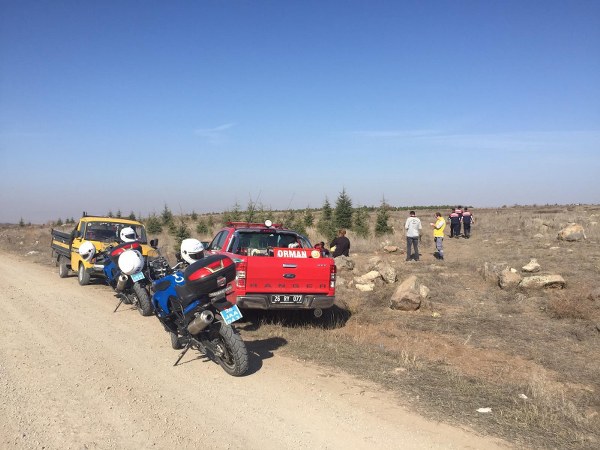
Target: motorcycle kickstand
[
  {"x": 182, "y": 354},
  {"x": 120, "y": 301}
]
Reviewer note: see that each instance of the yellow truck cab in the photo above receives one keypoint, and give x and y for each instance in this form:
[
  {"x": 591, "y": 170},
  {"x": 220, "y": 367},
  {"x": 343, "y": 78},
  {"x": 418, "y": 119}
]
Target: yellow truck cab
[{"x": 103, "y": 232}]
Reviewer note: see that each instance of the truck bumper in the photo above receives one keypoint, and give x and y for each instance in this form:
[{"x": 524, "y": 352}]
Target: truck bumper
[{"x": 262, "y": 301}]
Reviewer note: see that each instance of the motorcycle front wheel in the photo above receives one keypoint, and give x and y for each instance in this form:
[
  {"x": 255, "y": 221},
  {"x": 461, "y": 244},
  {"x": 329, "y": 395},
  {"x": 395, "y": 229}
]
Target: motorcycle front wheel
[
  {"x": 143, "y": 304},
  {"x": 230, "y": 351}
]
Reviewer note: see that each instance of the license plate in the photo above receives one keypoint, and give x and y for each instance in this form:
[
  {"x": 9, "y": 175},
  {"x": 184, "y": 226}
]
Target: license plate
[
  {"x": 137, "y": 276},
  {"x": 232, "y": 314},
  {"x": 283, "y": 299}
]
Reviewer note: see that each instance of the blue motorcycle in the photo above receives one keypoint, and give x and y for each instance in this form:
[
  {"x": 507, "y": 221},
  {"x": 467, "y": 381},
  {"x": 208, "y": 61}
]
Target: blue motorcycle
[
  {"x": 192, "y": 306},
  {"x": 124, "y": 272}
]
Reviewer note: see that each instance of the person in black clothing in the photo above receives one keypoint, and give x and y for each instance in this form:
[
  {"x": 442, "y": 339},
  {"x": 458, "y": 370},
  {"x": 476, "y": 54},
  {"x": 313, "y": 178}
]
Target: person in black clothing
[
  {"x": 467, "y": 218},
  {"x": 341, "y": 243},
  {"x": 321, "y": 247}
]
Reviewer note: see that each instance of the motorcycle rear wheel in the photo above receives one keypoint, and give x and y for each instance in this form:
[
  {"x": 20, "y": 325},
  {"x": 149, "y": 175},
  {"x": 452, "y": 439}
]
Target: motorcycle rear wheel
[
  {"x": 143, "y": 304},
  {"x": 175, "y": 341},
  {"x": 231, "y": 353}
]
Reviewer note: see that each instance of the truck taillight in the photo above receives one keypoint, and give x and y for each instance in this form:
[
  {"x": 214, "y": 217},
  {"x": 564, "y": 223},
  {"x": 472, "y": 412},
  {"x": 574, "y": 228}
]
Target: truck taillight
[
  {"x": 332, "y": 274},
  {"x": 241, "y": 275}
]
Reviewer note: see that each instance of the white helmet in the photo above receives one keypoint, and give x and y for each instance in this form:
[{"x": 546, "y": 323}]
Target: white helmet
[
  {"x": 130, "y": 262},
  {"x": 127, "y": 234},
  {"x": 87, "y": 251},
  {"x": 192, "y": 250}
]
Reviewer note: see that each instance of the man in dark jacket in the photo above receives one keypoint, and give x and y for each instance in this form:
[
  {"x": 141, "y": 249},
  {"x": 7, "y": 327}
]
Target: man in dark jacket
[{"x": 341, "y": 244}]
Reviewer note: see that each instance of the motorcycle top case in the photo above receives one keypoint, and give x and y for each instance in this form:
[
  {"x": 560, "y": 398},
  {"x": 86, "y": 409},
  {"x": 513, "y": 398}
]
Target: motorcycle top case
[
  {"x": 119, "y": 249},
  {"x": 206, "y": 275}
]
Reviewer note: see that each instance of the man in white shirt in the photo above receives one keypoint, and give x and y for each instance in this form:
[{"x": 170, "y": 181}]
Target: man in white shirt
[{"x": 413, "y": 231}]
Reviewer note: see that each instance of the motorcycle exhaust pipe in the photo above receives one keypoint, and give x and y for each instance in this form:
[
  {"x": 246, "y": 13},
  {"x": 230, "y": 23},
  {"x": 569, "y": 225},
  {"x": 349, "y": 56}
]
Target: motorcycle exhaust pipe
[
  {"x": 201, "y": 322},
  {"x": 121, "y": 282}
]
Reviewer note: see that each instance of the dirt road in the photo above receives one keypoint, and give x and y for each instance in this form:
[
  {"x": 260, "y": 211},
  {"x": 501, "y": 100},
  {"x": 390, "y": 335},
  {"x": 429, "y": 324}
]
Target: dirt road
[{"x": 75, "y": 375}]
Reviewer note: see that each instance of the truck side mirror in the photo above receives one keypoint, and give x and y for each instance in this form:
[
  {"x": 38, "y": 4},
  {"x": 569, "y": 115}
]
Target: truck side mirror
[{"x": 154, "y": 243}]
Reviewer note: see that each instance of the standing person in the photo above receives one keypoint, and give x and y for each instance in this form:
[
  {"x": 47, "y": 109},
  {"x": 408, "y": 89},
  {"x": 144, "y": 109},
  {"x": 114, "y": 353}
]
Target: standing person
[
  {"x": 454, "y": 224},
  {"x": 458, "y": 211},
  {"x": 413, "y": 230},
  {"x": 467, "y": 218},
  {"x": 341, "y": 244},
  {"x": 438, "y": 235}
]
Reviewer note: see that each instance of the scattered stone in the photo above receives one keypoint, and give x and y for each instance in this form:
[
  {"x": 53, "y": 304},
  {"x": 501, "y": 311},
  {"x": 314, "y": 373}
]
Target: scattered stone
[
  {"x": 344, "y": 263},
  {"x": 390, "y": 248},
  {"x": 532, "y": 266},
  {"x": 424, "y": 291},
  {"x": 436, "y": 314},
  {"x": 543, "y": 282},
  {"x": 509, "y": 279},
  {"x": 491, "y": 271},
  {"x": 407, "y": 296},
  {"x": 388, "y": 273},
  {"x": 572, "y": 232},
  {"x": 367, "y": 287},
  {"x": 367, "y": 278},
  {"x": 374, "y": 263},
  {"x": 594, "y": 295},
  {"x": 554, "y": 248},
  {"x": 538, "y": 236},
  {"x": 484, "y": 410}
]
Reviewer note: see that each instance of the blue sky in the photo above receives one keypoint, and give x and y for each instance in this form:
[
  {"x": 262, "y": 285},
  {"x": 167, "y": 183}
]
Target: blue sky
[{"x": 131, "y": 105}]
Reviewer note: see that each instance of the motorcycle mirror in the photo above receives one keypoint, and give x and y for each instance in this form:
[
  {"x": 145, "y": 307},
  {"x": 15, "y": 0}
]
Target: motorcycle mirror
[{"x": 154, "y": 243}]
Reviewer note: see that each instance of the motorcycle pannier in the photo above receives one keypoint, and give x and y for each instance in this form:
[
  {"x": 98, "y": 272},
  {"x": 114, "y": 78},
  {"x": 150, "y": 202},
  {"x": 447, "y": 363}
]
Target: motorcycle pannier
[
  {"x": 119, "y": 249},
  {"x": 205, "y": 276}
]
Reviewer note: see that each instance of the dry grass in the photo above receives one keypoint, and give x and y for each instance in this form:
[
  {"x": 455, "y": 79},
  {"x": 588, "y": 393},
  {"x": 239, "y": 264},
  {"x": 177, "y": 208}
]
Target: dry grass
[{"x": 471, "y": 344}]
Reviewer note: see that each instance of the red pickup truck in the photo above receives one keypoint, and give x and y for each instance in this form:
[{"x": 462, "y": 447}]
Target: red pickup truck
[{"x": 276, "y": 268}]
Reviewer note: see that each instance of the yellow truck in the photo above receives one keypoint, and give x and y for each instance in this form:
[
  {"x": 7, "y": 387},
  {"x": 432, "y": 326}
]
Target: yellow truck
[{"x": 103, "y": 232}]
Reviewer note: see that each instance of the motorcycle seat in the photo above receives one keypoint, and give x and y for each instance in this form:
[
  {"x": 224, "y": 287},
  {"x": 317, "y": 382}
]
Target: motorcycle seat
[{"x": 187, "y": 295}]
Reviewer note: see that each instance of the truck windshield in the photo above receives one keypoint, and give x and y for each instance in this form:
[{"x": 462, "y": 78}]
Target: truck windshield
[
  {"x": 109, "y": 231},
  {"x": 250, "y": 243}
]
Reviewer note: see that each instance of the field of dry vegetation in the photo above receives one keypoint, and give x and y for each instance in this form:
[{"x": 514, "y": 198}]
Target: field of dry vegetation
[{"x": 530, "y": 355}]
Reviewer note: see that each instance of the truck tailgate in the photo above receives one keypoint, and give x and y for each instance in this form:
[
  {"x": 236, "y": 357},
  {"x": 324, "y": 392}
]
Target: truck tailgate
[{"x": 289, "y": 275}]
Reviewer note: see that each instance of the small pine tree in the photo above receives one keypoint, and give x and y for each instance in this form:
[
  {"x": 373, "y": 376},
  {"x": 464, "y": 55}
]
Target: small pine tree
[
  {"x": 119, "y": 214},
  {"x": 289, "y": 218},
  {"x": 210, "y": 223},
  {"x": 249, "y": 214},
  {"x": 21, "y": 222},
  {"x": 343, "y": 211},
  {"x": 299, "y": 226},
  {"x": 261, "y": 214},
  {"x": 309, "y": 218},
  {"x": 153, "y": 224},
  {"x": 381, "y": 223},
  {"x": 59, "y": 222},
  {"x": 180, "y": 232},
  {"x": 72, "y": 219},
  {"x": 166, "y": 216},
  {"x": 194, "y": 216},
  {"x": 110, "y": 213},
  {"x": 131, "y": 216},
  {"x": 202, "y": 227},
  {"x": 326, "y": 226},
  {"x": 361, "y": 222},
  {"x": 235, "y": 215}
]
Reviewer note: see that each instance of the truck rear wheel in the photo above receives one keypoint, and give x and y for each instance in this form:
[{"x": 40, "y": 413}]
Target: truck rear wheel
[
  {"x": 83, "y": 275},
  {"x": 63, "y": 270}
]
